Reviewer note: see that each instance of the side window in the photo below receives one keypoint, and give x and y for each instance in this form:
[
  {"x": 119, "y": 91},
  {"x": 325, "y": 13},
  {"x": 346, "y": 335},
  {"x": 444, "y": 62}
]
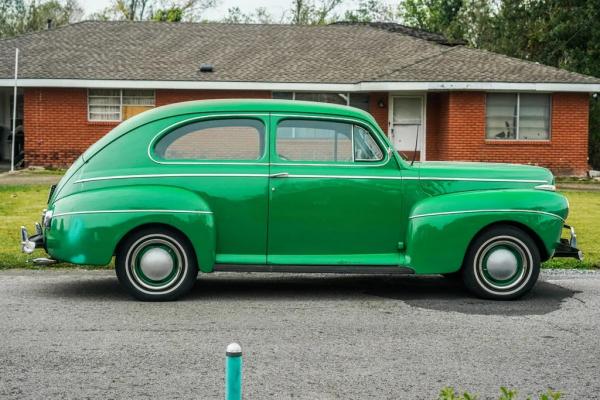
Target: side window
[
  {"x": 219, "y": 139},
  {"x": 328, "y": 141}
]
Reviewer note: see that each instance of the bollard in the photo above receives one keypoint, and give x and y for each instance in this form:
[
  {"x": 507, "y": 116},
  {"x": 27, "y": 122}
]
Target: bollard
[{"x": 233, "y": 372}]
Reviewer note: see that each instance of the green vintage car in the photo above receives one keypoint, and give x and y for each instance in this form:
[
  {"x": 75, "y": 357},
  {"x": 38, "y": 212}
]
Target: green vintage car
[{"x": 289, "y": 186}]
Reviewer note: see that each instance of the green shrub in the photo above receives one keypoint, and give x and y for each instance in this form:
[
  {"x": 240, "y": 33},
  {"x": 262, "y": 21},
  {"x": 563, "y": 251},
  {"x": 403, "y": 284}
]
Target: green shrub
[{"x": 448, "y": 393}]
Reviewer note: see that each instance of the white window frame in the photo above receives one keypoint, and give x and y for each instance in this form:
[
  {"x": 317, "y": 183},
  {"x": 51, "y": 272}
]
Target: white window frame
[
  {"x": 346, "y": 95},
  {"x": 120, "y": 106},
  {"x": 518, "y": 118}
]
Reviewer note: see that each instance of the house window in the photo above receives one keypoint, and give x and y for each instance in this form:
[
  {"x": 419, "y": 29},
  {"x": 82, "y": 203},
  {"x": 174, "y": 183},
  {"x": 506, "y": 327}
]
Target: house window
[
  {"x": 118, "y": 104},
  {"x": 358, "y": 100},
  {"x": 518, "y": 116}
]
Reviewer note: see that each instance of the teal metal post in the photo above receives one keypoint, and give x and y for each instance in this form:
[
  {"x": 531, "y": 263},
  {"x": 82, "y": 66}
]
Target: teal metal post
[{"x": 233, "y": 372}]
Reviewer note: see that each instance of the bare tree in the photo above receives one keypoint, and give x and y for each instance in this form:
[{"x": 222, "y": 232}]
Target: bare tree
[
  {"x": 140, "y": 10},
  {"x": 307, "y": 12},
  {"x": 20, "y": 16}
]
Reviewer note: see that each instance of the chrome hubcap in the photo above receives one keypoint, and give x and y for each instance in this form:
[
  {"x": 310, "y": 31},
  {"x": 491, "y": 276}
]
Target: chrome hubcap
[
  {"x": 156, "y": 264},
  {"x": 501, "y": 264}
]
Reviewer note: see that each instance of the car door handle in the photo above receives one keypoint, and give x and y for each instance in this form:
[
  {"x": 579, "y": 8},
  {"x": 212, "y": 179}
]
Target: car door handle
[{"x": 279, "y": 175}]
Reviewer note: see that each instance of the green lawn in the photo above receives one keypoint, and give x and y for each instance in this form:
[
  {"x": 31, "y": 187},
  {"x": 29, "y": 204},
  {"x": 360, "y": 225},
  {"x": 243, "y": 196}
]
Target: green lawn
[{"x": 22, "y": 205}]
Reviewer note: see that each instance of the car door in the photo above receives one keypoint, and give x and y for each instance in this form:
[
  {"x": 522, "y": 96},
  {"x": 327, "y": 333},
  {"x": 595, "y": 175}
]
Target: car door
[
  {"x": 335, "y": 193},
  {"x": 224, "y": 160}
]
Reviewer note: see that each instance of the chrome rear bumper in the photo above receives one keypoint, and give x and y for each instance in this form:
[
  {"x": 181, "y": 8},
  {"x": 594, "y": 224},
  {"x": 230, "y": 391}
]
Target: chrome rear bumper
[{"x": 568, "y": 247}]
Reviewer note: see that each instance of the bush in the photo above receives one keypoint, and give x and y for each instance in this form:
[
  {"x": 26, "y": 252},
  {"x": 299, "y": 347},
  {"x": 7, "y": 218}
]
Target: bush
[{"x": 448, "y": 393}]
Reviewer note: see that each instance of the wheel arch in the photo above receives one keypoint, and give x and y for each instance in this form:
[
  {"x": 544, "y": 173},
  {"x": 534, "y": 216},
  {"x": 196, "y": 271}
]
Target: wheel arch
[
  {"x": 152, "y": 225},
  {"x": 544, "y": 255}
]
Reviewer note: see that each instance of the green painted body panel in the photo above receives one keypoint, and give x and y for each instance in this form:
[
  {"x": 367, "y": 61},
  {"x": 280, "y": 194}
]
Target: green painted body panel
[
  {"x": 361, "y": 213},
  {"x": 449, "y": 222}
]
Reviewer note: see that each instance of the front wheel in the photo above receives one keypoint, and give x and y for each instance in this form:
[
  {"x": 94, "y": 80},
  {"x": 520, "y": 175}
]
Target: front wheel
[
  {"x": 502, "y": 263},
  {"x": 156, "y": 264}
]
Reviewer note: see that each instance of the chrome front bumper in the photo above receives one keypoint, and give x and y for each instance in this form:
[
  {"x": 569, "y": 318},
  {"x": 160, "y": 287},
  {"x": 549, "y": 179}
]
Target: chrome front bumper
[
  {"x": 30, "y": 243},
  {"x": 568, "y": 247}
]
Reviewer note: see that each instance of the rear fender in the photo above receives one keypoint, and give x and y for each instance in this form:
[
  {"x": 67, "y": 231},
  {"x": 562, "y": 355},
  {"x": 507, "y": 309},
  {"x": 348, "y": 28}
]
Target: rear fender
[
  {"x": 441, "y": 228},
  {"x": 87, "y": 226}
]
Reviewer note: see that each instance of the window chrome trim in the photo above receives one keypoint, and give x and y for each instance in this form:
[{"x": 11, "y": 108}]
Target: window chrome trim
[
  {"x": 131, "y": 211},
  {"x": 435, "y": 214},
  {"x": 200, "y": 118}
]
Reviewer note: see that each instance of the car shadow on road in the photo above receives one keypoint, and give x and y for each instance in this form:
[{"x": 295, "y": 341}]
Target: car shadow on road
[
  {"x": 98, "y": 289},
  {"x": 438, "y": 293},
  {"x": 432, "y": 292}
]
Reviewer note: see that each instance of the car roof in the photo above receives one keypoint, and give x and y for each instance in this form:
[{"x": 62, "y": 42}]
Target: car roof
[{"x": 224, "y": 106}]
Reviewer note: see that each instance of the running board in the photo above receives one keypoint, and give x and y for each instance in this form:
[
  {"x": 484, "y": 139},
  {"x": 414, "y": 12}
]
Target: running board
[{"x": 319, "y": 269}]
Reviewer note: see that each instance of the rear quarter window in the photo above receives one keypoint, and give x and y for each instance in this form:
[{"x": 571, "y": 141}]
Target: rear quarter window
[{"x": 218, "y": 139}]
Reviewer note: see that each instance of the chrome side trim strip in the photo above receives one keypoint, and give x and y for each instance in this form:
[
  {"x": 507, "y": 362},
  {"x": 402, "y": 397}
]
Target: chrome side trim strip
[
  {"x": 484, "y": 211},
  {"x": 320, "y": 269},
  {"x": 433, "y": 178},
  {"x": 104, "y": 178},
  {"x": 398, "y": 178},
  {"x": 410, "y": 178},
  {"x": 132, "y": 211},
  {"x": 550, "y": 188}
]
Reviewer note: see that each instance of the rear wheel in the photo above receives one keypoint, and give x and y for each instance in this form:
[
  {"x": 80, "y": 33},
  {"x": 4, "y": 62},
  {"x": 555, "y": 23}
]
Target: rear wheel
[
  {"x": 502, "y": 263},
  {"x": 156, "y": 264}
]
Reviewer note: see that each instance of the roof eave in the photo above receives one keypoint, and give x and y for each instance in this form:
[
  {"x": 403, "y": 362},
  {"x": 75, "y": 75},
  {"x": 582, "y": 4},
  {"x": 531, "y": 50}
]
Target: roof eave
[{"x": 369, "y": 86}]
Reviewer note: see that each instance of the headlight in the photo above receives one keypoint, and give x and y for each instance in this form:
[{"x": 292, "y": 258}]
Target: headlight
[{"x": 47, "y": 219}]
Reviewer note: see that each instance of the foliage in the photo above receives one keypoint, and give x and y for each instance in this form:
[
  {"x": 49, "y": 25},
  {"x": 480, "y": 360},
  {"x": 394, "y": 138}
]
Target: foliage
[
  {"x": 168, "y": 15},
  {"x": 260, "y": 16},
  {"x": 371, "y": 11},
  {"x": 20, "y": 16},
  {"x": 309, "y": 12},
  {"x": 142, "y": 10},
  {"x": 449, "y": 393},
  {"x": 468, "y": 20}
]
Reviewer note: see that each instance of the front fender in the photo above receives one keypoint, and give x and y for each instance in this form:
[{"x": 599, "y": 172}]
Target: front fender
[
  {"x": 87, "y": 226},
  {"x": 441, "y": 228}
]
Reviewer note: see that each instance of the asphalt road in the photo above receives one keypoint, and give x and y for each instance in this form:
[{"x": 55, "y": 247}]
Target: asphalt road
[{"x": 76, "y": 334}]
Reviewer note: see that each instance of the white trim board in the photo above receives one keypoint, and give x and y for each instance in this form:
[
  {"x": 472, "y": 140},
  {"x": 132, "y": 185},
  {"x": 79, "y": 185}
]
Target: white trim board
[{"x": 321, "y": 87}]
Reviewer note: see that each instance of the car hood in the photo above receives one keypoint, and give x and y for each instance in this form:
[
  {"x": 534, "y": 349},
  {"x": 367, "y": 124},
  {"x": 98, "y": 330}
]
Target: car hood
[{"x": 445, "y": 177}]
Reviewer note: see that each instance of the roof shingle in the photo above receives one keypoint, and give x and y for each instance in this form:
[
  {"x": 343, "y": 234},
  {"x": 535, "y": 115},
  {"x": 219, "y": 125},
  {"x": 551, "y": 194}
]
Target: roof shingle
[{"x": 338, "y": 53}]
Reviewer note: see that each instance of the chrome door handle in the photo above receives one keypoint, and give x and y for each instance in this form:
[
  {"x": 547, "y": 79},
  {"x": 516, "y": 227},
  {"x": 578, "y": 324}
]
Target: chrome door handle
[{"x": 279, "y": 175}]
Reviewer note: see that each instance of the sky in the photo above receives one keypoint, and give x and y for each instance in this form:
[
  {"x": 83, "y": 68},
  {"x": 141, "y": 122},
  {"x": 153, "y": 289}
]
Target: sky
[{"x": 275, "y": 7}]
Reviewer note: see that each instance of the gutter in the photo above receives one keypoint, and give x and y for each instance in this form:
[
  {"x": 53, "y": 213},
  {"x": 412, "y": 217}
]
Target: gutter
[{"x": 306, "y": 86}]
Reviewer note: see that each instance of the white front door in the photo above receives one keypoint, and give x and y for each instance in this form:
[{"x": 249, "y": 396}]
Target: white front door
[{"x": 407, "y": 128}]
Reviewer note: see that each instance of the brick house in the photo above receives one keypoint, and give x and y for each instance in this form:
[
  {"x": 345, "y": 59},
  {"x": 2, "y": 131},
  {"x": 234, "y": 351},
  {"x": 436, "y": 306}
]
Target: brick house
[{"x": 447, "y": 101}]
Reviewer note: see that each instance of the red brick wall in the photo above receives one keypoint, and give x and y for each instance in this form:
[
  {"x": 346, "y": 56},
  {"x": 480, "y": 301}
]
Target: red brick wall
[
  {"x": 459, "y": 133},
  {"x": 57, "y": 129},
  {"x": 379, "y": 113}
]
